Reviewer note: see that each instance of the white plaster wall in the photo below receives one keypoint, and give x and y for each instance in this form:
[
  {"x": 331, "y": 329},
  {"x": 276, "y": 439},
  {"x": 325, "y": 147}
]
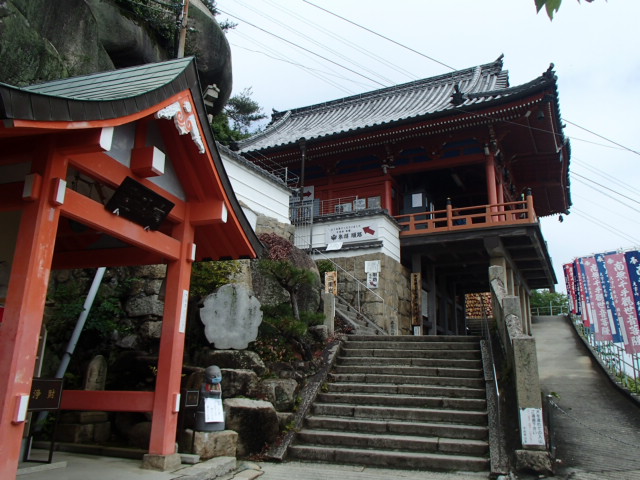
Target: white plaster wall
[
  {"x": 257, "y": 192},
  {"x": 388, "y": 232}
]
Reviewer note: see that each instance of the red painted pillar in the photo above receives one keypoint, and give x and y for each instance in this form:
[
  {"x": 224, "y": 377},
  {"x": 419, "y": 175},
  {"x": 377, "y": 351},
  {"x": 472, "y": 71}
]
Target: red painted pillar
[
  {"x": 388, "y": 197},
  {"x": 165, "y": 416},
  {"x": 490, "y": 168},
  {"x": 24, "y": 305}
]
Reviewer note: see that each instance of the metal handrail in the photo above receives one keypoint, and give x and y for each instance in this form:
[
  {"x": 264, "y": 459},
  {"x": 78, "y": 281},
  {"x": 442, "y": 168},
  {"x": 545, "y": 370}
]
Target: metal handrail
[
  {"x": 487, "y": 335},
  {"x": 315, "y": 251}
]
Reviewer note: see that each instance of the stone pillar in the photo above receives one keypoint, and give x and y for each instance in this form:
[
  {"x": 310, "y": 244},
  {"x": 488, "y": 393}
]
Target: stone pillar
[
  {"x": 329, "y": 302},
  {"x": 432, "y": 298}
]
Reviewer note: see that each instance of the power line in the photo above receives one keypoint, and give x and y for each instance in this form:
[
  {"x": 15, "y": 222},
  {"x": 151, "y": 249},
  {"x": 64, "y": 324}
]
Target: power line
[
  {"x": 302, "y": 48},
  {"x": 605, "y": 226},
  {"x": 345, "y": 41},
  {"x": 317, "y": 43},
  {"x": 579, "y": 162},
  {"x": 602, "y": 137},
  {"x": 379, "y": 35},
  {"x": 606, "y": 188}
]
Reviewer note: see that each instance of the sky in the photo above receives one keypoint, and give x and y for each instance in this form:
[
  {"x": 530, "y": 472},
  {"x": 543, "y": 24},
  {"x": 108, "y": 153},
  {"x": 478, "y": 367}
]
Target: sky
[{"x": 593, "y": 46}]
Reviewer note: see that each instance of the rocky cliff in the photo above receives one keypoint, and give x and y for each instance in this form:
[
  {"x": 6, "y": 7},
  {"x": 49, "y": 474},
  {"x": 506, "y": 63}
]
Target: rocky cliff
[{"x": 43, "y": 40}]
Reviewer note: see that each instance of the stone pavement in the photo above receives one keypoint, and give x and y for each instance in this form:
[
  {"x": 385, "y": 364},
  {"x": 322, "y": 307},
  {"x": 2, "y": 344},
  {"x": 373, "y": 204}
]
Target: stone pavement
[{"x": 597, "y": 428}]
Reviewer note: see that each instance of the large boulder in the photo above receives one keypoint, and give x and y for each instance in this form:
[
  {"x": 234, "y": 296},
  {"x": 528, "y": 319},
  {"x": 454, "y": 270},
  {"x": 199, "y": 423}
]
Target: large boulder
[
  {"x": 44, "y": 40},
  {"x": 239, "y": 382},
  {"x": 243, "y": 359},
  {"x": 255, "y": 421},
  {"x": 281, "y": 392}
]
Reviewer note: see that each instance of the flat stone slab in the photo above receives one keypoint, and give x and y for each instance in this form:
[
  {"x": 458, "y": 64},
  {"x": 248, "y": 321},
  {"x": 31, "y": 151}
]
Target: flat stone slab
[{"x": 216, "y": 467}]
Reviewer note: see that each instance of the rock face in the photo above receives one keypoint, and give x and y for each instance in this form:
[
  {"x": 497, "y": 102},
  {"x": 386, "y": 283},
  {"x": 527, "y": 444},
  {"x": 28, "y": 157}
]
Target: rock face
[
  {"x": 231, "y": 317},
  {"x": 43, "y": 40}
]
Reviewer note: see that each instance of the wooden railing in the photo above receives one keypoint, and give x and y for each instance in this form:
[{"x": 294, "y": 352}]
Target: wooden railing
[{"x": 466, "y": 218}]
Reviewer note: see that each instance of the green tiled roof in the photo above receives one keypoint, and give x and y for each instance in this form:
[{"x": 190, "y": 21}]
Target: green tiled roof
[{"x": 115, "y": 84}]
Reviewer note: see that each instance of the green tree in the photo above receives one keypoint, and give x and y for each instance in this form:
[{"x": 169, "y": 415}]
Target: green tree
[
  {"x": 551, "y": 6},
  {"x": 545, "y": 301},
  {"x": 235, "y": 121}
]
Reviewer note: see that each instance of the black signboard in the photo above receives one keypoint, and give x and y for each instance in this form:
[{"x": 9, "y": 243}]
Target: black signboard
[
  {"x": 46, "y": 394},
  {"x": 191, "y": 398},
  {"x": 140, "y": 204}
]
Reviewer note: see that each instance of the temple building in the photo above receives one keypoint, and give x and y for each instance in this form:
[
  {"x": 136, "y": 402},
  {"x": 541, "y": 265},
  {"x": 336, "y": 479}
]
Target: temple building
[
  {"x": 112, "y": 169},
  {"x": 413, "y": 191}
]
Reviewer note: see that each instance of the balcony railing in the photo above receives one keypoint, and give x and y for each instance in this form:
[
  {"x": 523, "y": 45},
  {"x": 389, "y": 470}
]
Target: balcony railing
[{"x": 466, "y": 218}]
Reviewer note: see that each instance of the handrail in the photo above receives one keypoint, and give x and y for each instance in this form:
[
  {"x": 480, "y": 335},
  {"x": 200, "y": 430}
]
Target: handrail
[
  {"x": 487, "y": 335},
  {"x": 315, "y": 251},
  {"x": 465, "y": 218}
]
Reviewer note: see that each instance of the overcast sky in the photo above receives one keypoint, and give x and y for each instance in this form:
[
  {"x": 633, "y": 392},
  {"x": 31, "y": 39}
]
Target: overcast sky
[{"x": 594, "y": 47}]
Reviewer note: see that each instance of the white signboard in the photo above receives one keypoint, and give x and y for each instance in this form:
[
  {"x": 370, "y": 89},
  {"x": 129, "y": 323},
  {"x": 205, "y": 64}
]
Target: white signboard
[
  {"x": 351, "y": 232},
  {"x": 213, "y": 411},
  {"x": 372, "y": 266},
  {"x": 532, "y": 426},
  {"x": 373, "y": 279},
  {"x": 183, "y": 311}
]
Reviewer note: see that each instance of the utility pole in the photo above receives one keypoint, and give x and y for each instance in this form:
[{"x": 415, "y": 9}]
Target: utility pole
[{"x": 182, "y": 24}]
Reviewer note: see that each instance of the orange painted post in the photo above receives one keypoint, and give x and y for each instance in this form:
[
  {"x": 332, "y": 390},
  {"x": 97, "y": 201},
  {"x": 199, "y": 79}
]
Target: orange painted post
[
  {"x": 490, "y": 169},
  {"x": 449, "y": 214},
  {"x": 24, "y": 305},
  {"x": 531, "y": 213},
  {"x": 165, "y": 415}
]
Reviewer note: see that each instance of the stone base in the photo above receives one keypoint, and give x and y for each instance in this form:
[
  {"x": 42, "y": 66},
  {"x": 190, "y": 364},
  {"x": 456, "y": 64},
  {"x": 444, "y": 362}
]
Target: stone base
[
  {"x": 162, "y": 463},
  {"x": 210, "y": 444},
  {"x": 538, "y": 461}
]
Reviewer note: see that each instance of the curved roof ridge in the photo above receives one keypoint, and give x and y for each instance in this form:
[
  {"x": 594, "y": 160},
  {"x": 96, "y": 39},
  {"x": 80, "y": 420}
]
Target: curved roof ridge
[{"x": 487, "y": 68}]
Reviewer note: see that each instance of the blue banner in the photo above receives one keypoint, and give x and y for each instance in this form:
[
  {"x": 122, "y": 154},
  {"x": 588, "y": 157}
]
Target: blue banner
[
  {"x": 608, "y": 298},
  {"x": 576, "y": 287},
  {"x": 632, "y": 258}
]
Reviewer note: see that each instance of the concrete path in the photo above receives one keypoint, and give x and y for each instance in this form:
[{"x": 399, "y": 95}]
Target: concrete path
[{"x": 597, "y": 427}]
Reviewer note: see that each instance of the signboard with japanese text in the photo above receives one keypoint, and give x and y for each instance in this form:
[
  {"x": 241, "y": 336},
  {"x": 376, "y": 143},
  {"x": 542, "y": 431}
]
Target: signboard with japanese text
[
  {"x": 532, "y": 427},
  {"x": 351, "y": 232},
  {"x": 46, "y": 394},
  {"x": 331, "y": 282}
]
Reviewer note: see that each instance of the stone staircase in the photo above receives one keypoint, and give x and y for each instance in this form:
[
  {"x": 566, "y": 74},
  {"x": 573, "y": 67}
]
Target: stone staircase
[
  {"x": 401, "y": 402},
  {"x": 356, "y": 320}
]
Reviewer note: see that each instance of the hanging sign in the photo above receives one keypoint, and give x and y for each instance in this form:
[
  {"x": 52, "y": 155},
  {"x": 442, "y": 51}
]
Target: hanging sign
[{"x": 351, "y": 232}]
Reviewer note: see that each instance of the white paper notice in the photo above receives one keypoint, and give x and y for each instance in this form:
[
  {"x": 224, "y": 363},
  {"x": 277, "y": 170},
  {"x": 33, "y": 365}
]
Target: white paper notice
[
  {"x": 532, "y": 426},
  {"x": 213, "y": 410}
]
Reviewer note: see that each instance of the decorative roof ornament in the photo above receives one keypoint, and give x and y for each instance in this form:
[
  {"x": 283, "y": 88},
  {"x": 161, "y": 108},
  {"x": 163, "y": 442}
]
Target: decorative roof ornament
[
  {"x": 457, "y": 97},
  {"x": 184, "y": 119}
]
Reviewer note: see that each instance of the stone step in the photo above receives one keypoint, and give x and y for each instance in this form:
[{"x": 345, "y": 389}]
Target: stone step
[
  {"x": 416, "y": 338},
  {"x": 466, "y": 354},
  {"x": 401, "y": 413},
  {"x": 409, "y": 443},
  {"x": 447, "y": 430},
  {"x": 422, "y": 390},
  {"x": 415, "y": 362},
  {"x": 407, "y": 380},
  {"x": 389, "y": 344},
  {"x": 406, "y": 460},
  {"x": 477, "y": 404},
  {"x": 409, "y": 371}
]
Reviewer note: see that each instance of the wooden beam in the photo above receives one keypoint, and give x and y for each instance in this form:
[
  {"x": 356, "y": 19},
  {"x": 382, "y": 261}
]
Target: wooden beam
[
  {"x": 114, "y": 257},
  {"x": 107, "y": 400},
  {"x": 94, "y": 215},
  {"x": 105, "y": 169}
]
